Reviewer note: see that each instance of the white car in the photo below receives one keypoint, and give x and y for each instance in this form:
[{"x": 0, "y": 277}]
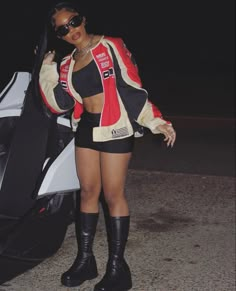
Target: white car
[{"x": 38, "y": 180}]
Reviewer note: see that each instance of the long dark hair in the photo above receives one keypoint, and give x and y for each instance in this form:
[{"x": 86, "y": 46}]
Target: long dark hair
[{"x": 49, "y": 41}]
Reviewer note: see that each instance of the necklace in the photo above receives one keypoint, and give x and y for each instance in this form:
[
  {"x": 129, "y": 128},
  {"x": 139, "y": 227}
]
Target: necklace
[{"x": 83, "y": 52}]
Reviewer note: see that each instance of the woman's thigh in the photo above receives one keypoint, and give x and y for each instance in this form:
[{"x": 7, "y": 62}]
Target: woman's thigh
[
  {"x": 88, "y": 169},
  {"x": 114, "y": 168}
]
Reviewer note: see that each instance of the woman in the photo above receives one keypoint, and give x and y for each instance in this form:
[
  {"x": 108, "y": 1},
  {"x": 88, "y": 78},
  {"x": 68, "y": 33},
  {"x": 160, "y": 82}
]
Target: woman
[{"x": 99, "y": 82}]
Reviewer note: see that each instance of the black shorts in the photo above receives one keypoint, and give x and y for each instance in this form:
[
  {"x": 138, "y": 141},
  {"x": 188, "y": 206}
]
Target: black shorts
[{"x": 84, "y": 136}]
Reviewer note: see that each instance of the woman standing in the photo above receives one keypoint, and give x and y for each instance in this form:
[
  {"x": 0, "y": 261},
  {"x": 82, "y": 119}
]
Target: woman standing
[{"x": 99, "y": 82}]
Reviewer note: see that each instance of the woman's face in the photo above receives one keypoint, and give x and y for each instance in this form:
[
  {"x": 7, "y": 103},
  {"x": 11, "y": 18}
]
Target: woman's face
[{"x": 69, "y": 26}]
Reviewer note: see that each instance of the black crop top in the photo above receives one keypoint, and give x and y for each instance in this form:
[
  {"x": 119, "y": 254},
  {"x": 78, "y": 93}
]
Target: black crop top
[{"x": 87, "y": 81}]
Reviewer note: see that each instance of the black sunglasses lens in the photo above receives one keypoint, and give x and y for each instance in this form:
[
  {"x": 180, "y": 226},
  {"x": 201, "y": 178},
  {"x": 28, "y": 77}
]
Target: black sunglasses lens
[
  {"x": 76, "y": 21},
  {"x": 62, "y": 30}
]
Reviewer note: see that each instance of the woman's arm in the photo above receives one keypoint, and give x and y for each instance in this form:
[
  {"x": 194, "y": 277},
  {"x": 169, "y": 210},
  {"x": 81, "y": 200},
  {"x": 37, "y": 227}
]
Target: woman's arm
[
  {"x": 135, "y": 98},
  {"x": 54, "y": 96}
]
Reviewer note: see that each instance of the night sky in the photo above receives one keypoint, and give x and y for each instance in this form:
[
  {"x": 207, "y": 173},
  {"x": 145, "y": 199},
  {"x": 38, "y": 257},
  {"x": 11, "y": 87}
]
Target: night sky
[{"x": 184, "y": 49}]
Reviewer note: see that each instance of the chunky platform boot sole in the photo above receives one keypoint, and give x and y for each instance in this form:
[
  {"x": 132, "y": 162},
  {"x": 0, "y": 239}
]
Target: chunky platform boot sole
[{"x": 77, "y": 282}]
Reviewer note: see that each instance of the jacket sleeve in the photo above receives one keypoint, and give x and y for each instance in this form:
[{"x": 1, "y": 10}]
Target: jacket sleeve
[
  {"x": 135, "y": 98},
  {"x": 54, "y": 96},
  {"x": 151, "y": 117}
]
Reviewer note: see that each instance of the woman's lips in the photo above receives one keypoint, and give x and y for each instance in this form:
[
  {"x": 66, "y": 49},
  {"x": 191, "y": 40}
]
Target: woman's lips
[{"x": 76, "y": 36}]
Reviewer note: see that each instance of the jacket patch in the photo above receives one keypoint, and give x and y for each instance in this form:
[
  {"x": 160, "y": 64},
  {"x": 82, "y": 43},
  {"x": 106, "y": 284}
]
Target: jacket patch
[
  {"x": 64, "y": 84},
  {"x": 119, "y": 132},
  {"x": 108, "y": 73}
]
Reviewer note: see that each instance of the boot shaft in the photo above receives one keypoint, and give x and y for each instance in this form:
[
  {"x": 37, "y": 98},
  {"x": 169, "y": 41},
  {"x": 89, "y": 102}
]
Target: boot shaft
[
  {"x": 118, "y": 235},
  {"x": 85, "y": 228}
]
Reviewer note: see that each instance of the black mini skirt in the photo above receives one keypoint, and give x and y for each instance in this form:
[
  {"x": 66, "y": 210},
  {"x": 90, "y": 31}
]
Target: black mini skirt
[{"x": 84, "y": 136}]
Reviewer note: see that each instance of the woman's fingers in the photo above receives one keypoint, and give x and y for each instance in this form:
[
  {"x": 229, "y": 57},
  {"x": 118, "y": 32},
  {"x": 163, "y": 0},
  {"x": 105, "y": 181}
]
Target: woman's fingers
[
  {"x": 49, "y": 57},
  {"x": 169, "y": 133}
]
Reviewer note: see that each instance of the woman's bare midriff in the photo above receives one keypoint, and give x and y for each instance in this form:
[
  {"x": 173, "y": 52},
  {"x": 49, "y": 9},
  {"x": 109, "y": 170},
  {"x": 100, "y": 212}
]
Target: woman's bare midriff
[{"x": 93, "y": 104}]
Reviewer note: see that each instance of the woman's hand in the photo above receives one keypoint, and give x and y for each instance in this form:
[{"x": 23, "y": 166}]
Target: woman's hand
[
  {"x": 49, "y": 57},
  {"x": 169, "y": 133}
]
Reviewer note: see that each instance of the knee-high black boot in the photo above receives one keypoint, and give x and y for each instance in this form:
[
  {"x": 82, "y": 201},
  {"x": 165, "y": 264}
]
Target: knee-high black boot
[
  {"x": 84, "y": 267},
  {"x": 118, "y": 275}
]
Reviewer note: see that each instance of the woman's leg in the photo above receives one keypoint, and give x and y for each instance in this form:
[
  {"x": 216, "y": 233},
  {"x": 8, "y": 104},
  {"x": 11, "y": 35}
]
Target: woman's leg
[
  {"x": 114, "y": 169},
  {"x": 86, "y": 217},
  {"x": 89, "y": 173}
]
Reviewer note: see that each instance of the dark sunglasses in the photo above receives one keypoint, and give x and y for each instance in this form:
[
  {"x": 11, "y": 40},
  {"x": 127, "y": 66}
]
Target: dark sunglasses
[{"x": 74, "y": 22}]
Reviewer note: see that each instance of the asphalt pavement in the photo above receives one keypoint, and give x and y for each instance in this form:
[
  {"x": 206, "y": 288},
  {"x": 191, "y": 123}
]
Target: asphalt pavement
[{"x": 182, "y": 206}]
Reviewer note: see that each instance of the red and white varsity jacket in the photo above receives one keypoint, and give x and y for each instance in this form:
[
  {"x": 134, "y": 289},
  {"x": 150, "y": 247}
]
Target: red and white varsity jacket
[{"x": 126, "y": 103}]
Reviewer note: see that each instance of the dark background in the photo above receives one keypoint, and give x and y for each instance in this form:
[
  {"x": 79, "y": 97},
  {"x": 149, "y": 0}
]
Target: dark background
[{"x": 184, "y": 49}]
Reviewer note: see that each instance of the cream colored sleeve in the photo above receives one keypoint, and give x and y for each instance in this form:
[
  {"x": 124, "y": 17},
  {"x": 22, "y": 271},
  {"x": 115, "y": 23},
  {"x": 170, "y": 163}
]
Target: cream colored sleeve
[
  {"x": 147, "y": 119},
  {"x": 48, "y": 81}
]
